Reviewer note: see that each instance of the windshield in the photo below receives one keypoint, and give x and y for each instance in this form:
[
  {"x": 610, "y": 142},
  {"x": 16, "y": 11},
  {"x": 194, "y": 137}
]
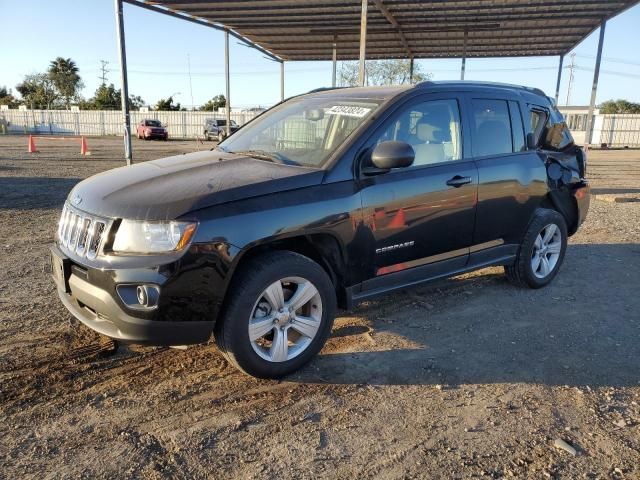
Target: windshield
[
  {"x": 153, "y": 123},
  {"x": 303, "y": 131}
]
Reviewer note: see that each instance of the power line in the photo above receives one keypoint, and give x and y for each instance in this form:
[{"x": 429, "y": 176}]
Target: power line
[
  {"x": 612, "y": 60},
  {"x": 611, "y": 72}
]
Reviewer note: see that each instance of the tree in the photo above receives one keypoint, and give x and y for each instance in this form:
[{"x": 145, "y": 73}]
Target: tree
[
  {"x": 63, "y": 72},
  {"x": 107, "y": 97},
  {"x": 7, "y": 98},
  {"x": 167, "y": 104},
  {"x": 381, "y": 72},
  {"x": 38, "y": 91},
  {"x": 136, "y": 102},
  {"x": 619, "y": 106},
  {"x": 214, "y": 104}
]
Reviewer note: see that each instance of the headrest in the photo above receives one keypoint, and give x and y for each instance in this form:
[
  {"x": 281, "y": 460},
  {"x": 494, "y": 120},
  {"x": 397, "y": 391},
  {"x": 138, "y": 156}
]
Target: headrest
[
  {"x": 425, "y": 132},
  {"x": 435, "y": 125}
]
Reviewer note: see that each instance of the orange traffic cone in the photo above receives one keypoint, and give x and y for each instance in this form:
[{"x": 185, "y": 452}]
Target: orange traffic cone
[
  {"x": 31, "y": 146},
  {"x": 398, "y": 220},
  {"x": 84, "y": 148}
]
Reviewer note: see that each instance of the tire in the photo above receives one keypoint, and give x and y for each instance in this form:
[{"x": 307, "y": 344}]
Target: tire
[
  {"x": 253, "y": 295},
  {"x": 206, "y": 136},
  {"x": 541, "y": 252},
  {"x": 221, "y": 137}
]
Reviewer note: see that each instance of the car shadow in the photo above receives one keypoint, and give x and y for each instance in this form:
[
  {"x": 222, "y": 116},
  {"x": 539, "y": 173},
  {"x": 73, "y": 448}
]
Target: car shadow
[
  {"x": 31, "y": 193},
  {"x": 583, "y": 329}
]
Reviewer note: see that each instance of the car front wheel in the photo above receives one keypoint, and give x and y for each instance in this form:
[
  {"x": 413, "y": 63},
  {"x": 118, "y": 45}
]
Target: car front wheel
[
  {"x": 278, "y": 316},
  {"x": 542, "y": 250}
]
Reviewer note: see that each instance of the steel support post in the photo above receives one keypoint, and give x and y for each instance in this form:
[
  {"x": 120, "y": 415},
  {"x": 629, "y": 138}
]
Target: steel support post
[
  {"x": 282, "y": 81},
  {"x": 363, "y": 43},
  {"x": 227, "y": 81},
  {"x": 594, "y": 87},
  {"x": 334, "y": 59},
  {"x": 559, "y": 78},
  {"x": 411, "y": 71},
  {"x": 463, "y": 66},
  {"x": 124, "y": 93}
]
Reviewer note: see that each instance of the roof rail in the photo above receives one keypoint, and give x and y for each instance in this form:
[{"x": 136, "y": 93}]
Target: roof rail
[
  {"x": 324, "y": 89},
  {"x": 430, "y": 83}
]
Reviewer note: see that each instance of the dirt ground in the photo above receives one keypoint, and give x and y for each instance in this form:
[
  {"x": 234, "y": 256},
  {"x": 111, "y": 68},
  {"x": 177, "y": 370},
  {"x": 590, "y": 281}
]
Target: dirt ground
[{"x": 467, "y": 378}]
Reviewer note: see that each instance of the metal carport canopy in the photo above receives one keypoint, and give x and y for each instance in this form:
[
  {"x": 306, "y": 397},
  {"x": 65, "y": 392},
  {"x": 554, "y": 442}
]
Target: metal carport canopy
[
  {"x": 308, "y": 30},
  {"x": 289, "y": 30}
]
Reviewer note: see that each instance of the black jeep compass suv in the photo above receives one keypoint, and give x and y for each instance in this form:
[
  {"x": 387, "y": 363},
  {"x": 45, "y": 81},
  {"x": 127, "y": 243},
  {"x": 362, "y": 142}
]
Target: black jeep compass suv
[{"x": 327, "y": 199}]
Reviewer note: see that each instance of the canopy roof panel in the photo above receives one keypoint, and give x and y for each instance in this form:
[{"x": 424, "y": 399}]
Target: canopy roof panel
[{"x": 307, "y": 30}]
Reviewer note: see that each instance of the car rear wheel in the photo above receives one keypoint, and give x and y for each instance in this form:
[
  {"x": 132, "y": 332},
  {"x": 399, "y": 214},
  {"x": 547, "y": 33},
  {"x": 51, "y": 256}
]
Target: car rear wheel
[
  {"x": 221, "y": 137},
  {"x": 542, "y": 250},
  {"x": 278, "y": 316}
]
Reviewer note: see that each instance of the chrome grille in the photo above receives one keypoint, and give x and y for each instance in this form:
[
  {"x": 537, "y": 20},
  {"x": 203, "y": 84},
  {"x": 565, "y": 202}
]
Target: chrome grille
[{"x": 81, "y": 233}]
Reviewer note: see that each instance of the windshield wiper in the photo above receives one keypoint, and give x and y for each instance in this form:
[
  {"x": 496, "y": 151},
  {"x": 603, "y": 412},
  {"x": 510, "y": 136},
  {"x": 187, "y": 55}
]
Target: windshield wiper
[{"x": 264, "y": 155}]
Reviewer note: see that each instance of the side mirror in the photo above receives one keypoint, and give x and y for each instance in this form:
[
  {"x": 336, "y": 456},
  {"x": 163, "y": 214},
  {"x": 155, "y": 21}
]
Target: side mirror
[
  {"x": 531, "y": 141},
  {"x": 392, "y": 154}
]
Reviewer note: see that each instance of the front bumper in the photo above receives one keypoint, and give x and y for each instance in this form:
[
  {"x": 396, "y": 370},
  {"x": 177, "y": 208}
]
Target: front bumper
[
  {"x": 97, "y": 308},
  {"x": 156, "y": 135}
]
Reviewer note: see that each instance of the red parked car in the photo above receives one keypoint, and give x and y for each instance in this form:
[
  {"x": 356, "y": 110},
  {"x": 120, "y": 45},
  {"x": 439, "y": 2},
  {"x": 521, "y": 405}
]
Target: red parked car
[{"x": 148, "y": 129}]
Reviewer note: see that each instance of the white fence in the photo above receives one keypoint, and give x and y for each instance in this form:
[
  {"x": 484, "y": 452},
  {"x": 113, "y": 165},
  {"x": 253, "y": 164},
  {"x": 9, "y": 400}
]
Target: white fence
[
  {"x": 610, "y": 130},
  {"x": 614, "y": 130},
  {"x": 617, "y": 130},
  {"x": 106, "y": 122}
]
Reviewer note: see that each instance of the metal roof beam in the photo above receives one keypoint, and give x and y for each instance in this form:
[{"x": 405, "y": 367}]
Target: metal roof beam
[
  {"x": 485, "y": 41},
  {"x": 391, "y": 19},
  {"x": 417, "y": 5},
  {"x": 285, "y": 22},
  {"x": 204, "y": 23}
]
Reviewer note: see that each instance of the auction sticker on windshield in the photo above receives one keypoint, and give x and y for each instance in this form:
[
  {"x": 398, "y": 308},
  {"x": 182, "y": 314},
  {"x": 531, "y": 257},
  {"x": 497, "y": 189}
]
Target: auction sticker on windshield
[{"x": 348, "y": 111}]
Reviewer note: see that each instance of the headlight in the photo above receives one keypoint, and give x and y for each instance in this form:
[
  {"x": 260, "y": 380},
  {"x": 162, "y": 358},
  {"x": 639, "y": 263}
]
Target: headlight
[{"x": 152, "y": 237}]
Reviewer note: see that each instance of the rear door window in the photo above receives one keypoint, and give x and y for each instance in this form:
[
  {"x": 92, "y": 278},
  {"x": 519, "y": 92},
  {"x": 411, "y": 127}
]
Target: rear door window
[{"x": 491, "y": 127}]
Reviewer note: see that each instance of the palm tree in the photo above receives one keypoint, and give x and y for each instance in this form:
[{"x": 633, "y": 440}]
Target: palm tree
[{"x": 65, "y": 76}]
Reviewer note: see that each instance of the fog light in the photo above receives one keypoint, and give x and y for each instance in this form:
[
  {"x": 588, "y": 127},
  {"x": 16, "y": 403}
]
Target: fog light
[
  {"x": 141, "y": 292},
  {"x": 139, "y": 296}
]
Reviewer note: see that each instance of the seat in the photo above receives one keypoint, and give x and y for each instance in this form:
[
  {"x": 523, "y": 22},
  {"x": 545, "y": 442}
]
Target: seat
[
  {"x": 494, "y": 138},
  {"x": 429, "y": 150},
  {"x": 433, "y": 143}
]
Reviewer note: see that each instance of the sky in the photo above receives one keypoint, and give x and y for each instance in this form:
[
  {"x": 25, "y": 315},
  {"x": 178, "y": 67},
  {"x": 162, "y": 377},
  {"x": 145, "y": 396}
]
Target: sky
[{"x": 160, "y": 48}]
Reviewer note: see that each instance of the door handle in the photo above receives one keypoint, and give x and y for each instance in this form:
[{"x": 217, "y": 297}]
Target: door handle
[{"x": 458, "y": 181}]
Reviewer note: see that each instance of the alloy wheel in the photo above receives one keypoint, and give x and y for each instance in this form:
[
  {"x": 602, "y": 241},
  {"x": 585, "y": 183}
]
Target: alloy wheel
[
  {"x": 285, "y": 319},
  {"x": 546, "y": 251}
]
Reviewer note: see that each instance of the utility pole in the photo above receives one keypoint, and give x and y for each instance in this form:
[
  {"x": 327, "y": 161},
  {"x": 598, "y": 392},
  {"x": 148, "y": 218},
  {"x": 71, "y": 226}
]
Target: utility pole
[
  {"x": 571, "y": 67},
  {"x": 190, "y": 85},
  {"x": 104, "y": 70}
]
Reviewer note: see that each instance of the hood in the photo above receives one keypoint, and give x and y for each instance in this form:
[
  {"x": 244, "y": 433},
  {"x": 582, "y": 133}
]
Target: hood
[{"x": 170, "y": 187}]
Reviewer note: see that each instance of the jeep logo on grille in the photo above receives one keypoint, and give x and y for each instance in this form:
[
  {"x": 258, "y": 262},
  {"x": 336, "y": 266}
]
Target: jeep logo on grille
[{"x": 76, "y": 199}]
